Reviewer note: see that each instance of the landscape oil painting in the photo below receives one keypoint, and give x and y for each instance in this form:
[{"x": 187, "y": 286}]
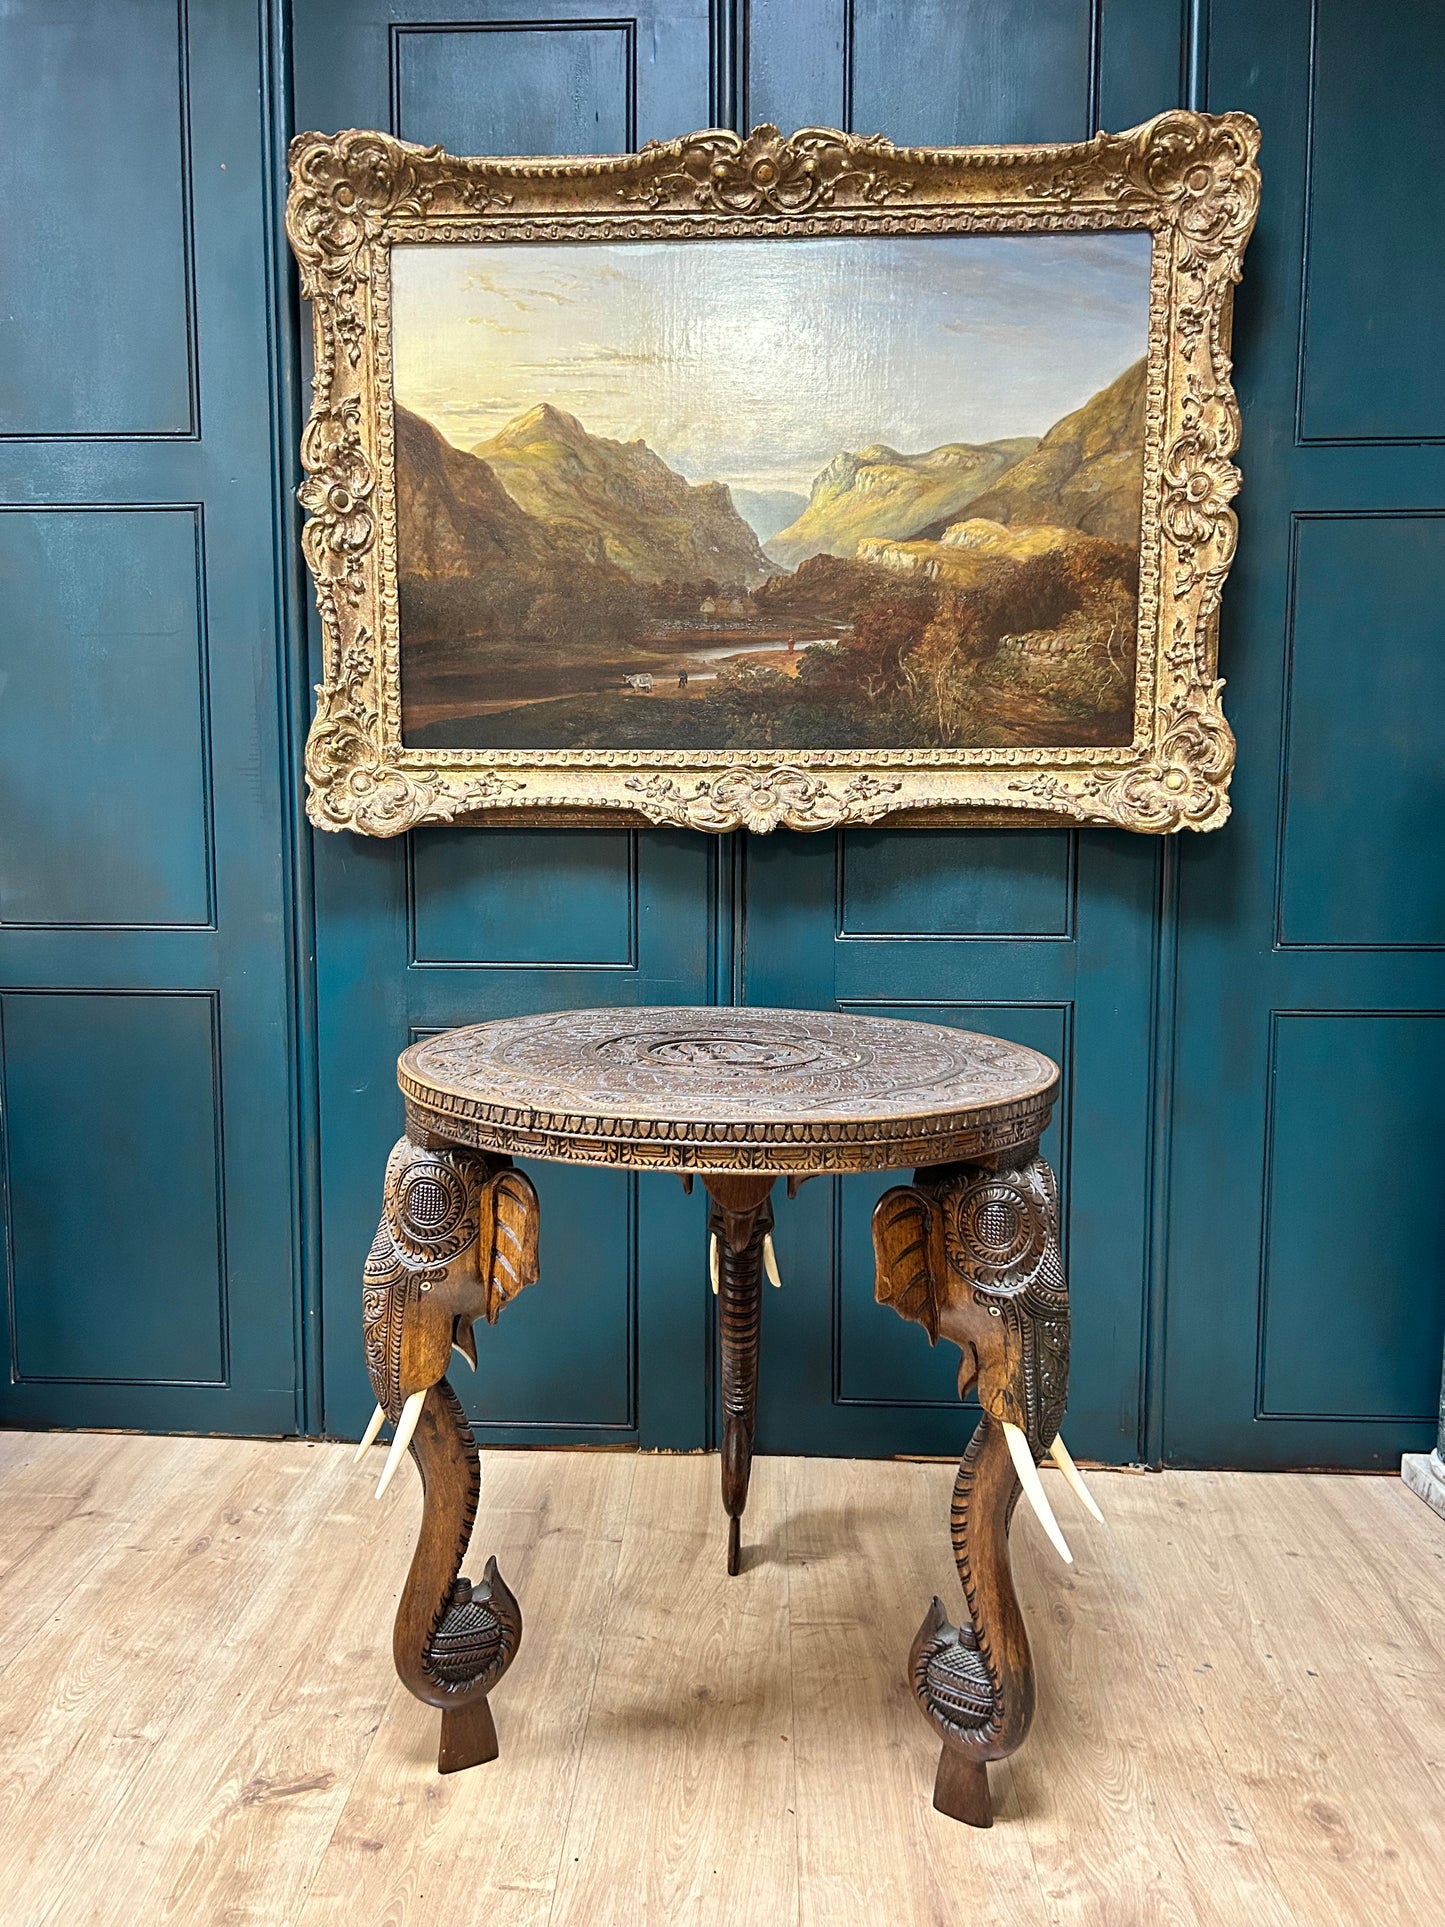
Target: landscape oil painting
[
  {"x": 844, "y": 493},
  {"x": 772, "y": 480}
]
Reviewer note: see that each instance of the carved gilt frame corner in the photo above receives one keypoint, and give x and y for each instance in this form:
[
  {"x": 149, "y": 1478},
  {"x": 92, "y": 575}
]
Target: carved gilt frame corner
[{"x": 1190, "y": 179}]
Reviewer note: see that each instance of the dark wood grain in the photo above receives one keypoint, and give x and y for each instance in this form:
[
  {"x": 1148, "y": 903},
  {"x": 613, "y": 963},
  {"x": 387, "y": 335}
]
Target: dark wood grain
[
  {"x": 727, "y": 1090},
  {"x": 971, "y": 1253},
  {"x": 740, "y": 1219},
  {"x": 969, "y": 1250},
  {"x": 457, "y": 1240}
]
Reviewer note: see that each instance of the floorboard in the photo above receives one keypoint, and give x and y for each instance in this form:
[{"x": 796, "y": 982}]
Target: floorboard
[{"x": 1241, "y": 1714}]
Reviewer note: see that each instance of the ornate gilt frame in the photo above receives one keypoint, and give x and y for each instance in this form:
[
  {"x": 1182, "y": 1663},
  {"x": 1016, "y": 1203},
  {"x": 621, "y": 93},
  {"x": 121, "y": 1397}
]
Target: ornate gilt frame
[{"x": 1190, "y": 179}]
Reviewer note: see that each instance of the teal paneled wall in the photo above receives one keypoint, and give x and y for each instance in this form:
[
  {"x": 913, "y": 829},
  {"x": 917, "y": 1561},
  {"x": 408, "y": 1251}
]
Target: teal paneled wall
[
  {"x": 149, "y": 1029},
  {"x": 1248, "y": 1024},
  {"x": 1306, "y": 1287}
]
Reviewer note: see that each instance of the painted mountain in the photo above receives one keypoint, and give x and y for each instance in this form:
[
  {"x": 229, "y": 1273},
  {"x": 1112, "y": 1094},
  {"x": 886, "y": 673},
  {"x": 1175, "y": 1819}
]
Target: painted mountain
[
  {"x": 618, "y": 502},
  {"x": 547, "y": 545},
  {"x": 1082, "y": 482},
  {"x": 1087, "y": 473},
  {"x": 562, "y": 590},
  {"x": 880, "y": 492},
  {"x": 475, "y": 569},
  {"x": 455, "y": 518}
]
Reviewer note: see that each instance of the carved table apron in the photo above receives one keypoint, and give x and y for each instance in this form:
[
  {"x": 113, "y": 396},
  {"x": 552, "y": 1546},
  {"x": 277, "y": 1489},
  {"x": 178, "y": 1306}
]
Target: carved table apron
[{"x": 739, "y": 1097}]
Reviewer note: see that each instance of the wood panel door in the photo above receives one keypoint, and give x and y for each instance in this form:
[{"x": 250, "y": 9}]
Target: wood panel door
[
  {"x": 1307, "y": 1249},
  {"x": 449, "y": 927},
  {"x": 1045, "y": 936},
  {"x": 147, "y": 1047}
]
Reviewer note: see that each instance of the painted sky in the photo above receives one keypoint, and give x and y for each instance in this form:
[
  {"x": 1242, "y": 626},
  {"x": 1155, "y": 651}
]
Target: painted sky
[{"x": 755, "y": 362}]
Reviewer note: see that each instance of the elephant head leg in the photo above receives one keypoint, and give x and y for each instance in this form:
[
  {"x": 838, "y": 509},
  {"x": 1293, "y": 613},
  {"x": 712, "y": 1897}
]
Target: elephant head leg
[
  {"x": 457, "y": 1241},
  {"x": 971, "y": 1252}
]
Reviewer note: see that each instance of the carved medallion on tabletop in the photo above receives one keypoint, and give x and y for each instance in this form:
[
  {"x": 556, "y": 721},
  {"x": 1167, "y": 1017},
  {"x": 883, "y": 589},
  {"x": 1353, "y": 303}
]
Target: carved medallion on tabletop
[{"x": 530, "y": 606}]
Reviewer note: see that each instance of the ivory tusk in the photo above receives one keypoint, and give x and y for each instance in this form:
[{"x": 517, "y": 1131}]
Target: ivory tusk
[
  {"x": 1059, "y": 1453},
  {"x": 368, "y": 1437},
  {"x": 406, "y": 1425},
  {"x": 770, "y": 1260},
  {"x": 712, "y": 1261},
  {"x": 1033, "y": 1487}
]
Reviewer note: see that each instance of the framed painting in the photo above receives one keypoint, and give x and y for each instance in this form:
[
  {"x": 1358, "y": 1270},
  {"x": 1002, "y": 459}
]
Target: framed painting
[{"x": 799, "y": 480}]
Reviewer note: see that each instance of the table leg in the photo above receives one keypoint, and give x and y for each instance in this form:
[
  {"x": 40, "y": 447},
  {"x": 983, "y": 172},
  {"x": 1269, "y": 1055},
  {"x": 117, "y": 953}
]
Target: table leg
[
  {"x": 740, "y": 1218},
  {"x": 971, "y": 1253},
  {"x": 457, "y": 1241}
]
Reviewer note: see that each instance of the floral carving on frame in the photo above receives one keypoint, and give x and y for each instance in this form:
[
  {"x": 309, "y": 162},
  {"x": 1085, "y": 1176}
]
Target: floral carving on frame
[{"x": 569, "y": 601}]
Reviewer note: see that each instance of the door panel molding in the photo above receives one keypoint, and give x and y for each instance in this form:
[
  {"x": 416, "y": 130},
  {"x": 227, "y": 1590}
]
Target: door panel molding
[
  {"x": 423, "y": 31},
  {"x": 63, "y": 1112},
  {"x": 1368, "y": 159},
  {"x": 57, "y": 178},
  {"x": 1290, "y": 918},
  {"x": 622, "y": 916},
  {"x": 137, "y": 817},
  {"x": 1415, "y": 814},
  {"x": 994, "y": 847},
  {"x": 1401, "y": 1288},
  {"x": 184, "y": 946}
]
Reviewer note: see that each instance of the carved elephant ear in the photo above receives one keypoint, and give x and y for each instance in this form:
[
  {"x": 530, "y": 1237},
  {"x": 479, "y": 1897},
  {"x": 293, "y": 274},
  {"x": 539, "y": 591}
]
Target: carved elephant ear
[
  {"x": 511, "y": 1263},
  {"x": 902, "y": 1252}
]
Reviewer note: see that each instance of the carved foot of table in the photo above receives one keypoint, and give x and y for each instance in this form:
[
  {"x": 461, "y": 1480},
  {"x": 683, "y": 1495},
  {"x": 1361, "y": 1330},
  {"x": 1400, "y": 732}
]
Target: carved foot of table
[
  {"x": 457, "y": 1241},
  {"x": 740, "y": 1225},
  {"x": 971, "y": 1253}
]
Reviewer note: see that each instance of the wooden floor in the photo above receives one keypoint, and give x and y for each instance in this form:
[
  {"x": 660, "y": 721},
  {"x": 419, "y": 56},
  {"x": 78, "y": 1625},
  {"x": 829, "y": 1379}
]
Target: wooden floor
[{"x": 1241, "y": 1700}]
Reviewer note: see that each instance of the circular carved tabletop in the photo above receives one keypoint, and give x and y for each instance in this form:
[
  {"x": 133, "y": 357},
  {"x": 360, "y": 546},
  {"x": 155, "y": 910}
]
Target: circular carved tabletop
[{"x": 732, "y": 1089}]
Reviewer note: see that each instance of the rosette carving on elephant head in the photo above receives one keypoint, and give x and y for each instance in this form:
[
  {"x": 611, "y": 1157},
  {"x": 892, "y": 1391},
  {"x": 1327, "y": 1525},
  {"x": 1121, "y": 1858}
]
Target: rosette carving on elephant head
[
  {"x": 971, "y": 1253},
  {"x": 457, "y": 1241}
]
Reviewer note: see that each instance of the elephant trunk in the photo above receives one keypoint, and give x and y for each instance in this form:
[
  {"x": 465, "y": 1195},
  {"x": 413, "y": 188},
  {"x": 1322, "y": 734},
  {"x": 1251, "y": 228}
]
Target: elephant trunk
[
  {"x": 739, "y": 1316},
  {"x": 976, "y": 1682},
  {"x": 451, "y": 1643},
  {"x": 740, "y": 1224}
]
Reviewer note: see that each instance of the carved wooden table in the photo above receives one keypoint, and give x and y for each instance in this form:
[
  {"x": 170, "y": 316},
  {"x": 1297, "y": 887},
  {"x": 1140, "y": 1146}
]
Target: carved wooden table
[{"x": 739, "y": 1097}]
